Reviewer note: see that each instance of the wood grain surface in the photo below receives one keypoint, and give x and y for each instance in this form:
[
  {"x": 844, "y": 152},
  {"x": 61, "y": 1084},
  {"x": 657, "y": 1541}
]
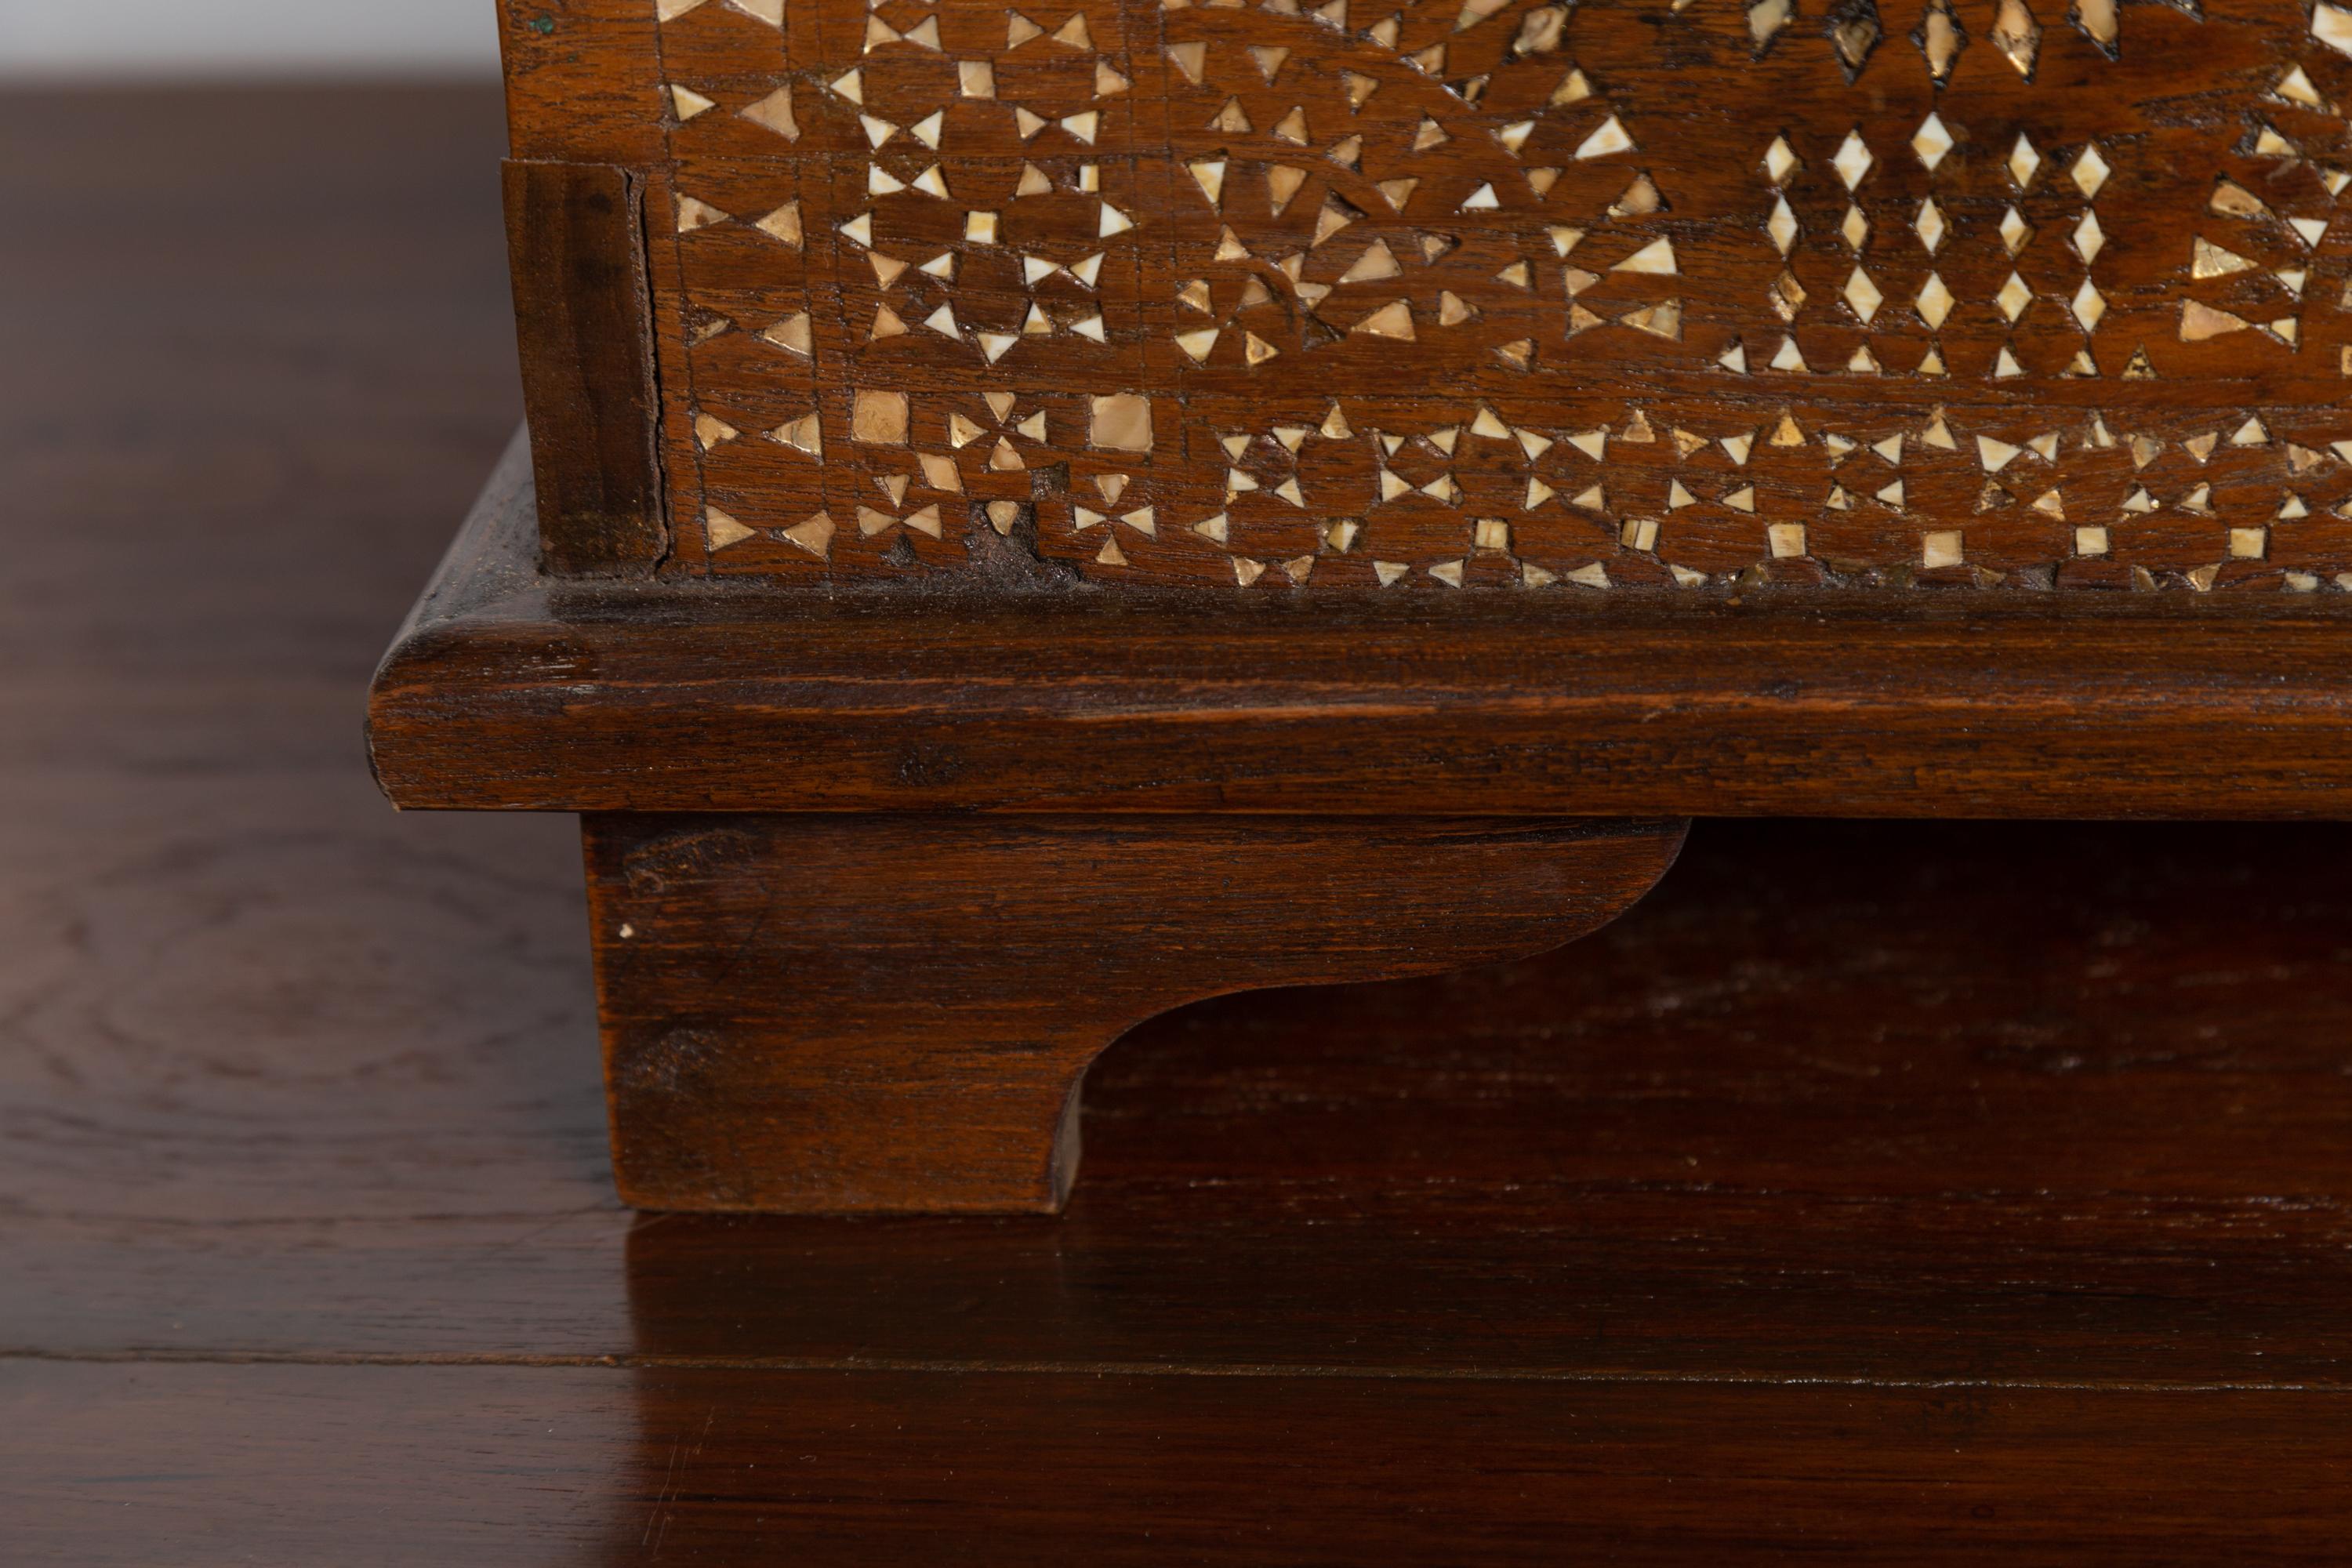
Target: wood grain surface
[
  {"x": 576, "y": 236},
  {"x": 837, "y": 1012},
  {"x": 742, "y": 1465},
  {"x": 512, "y": 689},
  {"x": 1894, "y": 1193}
]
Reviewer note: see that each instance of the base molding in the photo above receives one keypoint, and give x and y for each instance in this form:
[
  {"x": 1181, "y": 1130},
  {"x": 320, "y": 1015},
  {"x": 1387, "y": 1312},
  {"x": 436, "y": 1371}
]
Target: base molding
[
  {"x": 514, "y": 690},
  {"x": 865, "y": 1013}
]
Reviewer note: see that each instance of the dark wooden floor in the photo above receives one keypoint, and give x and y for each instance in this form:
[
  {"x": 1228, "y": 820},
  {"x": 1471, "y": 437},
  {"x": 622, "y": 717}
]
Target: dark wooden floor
[{"x": 1892, "y": 1195}]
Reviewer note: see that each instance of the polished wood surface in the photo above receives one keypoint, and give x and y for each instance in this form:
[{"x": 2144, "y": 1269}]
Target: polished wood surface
[
  {"x": 1894, "y": 1193},
  {"x": 843, "y": 1013},
  {"x": 510, "y": 689},
  {"x": 576, "y": 235},
  {"x": 748, "y": 1464}
]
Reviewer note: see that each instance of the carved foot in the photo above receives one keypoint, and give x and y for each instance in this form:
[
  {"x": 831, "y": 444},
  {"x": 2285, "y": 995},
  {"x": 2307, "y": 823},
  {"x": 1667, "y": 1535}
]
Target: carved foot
[{"x": 824, "y": 1013}]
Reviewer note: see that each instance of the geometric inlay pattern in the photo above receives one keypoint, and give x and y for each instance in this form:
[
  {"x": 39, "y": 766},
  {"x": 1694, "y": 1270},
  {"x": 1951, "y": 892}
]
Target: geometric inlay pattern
[{"x": 1464, "y": 293}]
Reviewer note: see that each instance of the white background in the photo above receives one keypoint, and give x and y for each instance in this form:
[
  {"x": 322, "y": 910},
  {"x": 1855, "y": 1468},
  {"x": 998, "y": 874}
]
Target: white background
[{"x": 98, "y": 39}]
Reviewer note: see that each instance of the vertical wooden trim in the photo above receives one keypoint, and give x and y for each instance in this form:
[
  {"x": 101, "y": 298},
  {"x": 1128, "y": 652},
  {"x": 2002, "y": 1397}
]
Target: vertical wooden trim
[
  {"x": 583, "y": 80},
  {"x": 575, "y": 240}
]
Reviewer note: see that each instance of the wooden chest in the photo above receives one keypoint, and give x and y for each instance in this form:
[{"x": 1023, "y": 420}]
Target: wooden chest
[{"x": 1038, "y": 513}]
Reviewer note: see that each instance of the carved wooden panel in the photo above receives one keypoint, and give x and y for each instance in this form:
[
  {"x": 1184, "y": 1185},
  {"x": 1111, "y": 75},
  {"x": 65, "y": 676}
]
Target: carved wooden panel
[{"x": 1456, "y": 293}]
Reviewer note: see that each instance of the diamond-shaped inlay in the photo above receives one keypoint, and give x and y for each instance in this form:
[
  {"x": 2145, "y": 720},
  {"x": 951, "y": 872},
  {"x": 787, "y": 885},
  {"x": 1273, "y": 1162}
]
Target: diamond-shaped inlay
[
  {"x": 2088, "y": 306},
  {"x": 1862, "y": 294},
  {"x": 1764, "y": 20},
  {"x": 1779, "y": 161},
  {"x": 1931, "y": 142},
  {"x": 2017, "y": 35},
  {"x": 2089, "y": 238},
  {"x": 1940, "y": 38},
  {"x": 1782, "y": 225},
  {"x": 1930, "y": 225},
  {"x": 1855, "y": 228},
  {"x": 2024, "y": 162},
  {"x": 1935, "y": 301},
  {"x": 1852, "y": 161},
  {"x": 2090, "y": 171},
  {"x": 2013, "y": 297},
  {"x": 1854, "y": 33},
  {"x": 2014, "y": 230}
]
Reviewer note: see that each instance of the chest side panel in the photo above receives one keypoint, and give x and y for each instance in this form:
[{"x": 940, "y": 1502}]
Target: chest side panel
[{"x": 1455, "y": 295}]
